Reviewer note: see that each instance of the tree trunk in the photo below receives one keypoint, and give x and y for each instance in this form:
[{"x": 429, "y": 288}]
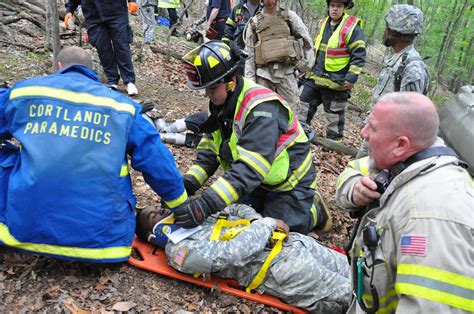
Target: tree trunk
[{"x": 52, "y": 30}]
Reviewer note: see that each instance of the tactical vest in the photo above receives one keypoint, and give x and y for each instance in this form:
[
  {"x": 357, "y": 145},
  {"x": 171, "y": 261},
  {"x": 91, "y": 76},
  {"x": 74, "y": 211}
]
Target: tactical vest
[
  {"x": 250, "y": 96},
  {"x": 275, "y": 42},
  {"x": 168, "y": 4},
  {"x": 337, "y": 52}
]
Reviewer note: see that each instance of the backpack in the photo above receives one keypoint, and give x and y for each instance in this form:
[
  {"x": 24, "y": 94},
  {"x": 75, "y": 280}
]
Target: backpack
[{"x": 457, "y": 124}]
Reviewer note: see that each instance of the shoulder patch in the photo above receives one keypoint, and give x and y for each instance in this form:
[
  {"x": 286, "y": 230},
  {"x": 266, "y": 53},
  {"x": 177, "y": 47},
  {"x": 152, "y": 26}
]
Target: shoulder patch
[
  {"x": 413, "y": 245},
  {"x": 180, "y": 256}
]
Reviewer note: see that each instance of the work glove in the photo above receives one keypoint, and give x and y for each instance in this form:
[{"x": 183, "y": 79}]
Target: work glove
[
  {"x": 132, "y": 8},
  {"x": 67, "y": 18},
  {"x": 192, "y": 213}
]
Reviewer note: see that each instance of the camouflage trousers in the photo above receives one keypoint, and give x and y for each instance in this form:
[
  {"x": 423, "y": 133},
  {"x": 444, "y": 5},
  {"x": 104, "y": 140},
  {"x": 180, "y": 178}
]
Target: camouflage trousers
[
  {"x": 287, "y": 88},
  {"x": 334, "y": 102},
  {"x": 147, "y": 16}
]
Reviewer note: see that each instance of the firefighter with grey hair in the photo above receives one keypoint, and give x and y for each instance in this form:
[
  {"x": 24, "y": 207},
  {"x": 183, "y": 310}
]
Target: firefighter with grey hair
[
  {"x": 239, "y": 244},
  {"x": 403, "y": 70}
]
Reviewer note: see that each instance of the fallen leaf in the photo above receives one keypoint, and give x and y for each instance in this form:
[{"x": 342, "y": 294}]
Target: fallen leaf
[
  {"x": 123, "y": 306},
  {"x": 75, "y": 309}
]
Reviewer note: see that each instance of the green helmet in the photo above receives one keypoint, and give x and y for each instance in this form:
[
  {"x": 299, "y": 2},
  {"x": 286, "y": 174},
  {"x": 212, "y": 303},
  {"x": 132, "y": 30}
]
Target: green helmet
[
  {"x": 210, "y": 63},
  {"x": 405, "y": 19}
]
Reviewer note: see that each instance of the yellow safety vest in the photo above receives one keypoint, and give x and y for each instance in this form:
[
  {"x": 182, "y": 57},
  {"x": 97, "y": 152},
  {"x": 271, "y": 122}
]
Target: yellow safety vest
[{"x": 337, "y": 51}]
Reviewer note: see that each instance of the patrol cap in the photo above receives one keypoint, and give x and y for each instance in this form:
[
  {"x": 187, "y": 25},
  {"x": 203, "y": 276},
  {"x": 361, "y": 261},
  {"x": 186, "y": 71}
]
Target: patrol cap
[
  {"x": 405, "y": 19},
  {"x": 210, "y": 63}
]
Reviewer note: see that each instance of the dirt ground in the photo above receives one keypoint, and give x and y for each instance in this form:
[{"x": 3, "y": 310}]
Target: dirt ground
[{"x": 30, "y": 283}]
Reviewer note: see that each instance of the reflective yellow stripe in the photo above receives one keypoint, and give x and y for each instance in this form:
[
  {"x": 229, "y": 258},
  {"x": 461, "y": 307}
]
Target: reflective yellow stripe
[
  {"x": 198, "y": 173},
  {"x": 221, "y": 222},
  {"x": 177, "y": 201},
  {"x": 314, "y": 213},
  {"x": 212, "y": 61},
  {"x": 70, "y": 96},
  {"x": 254, "y": 160},
  {"x": 296, "y": 175},
  {"x": 257, "y": 281},
  {"x": 124, "y": 170},
  {"x": 226, "y": 191},
  {"x": 436, "y": 285},
  {"x": 361, "y": 165},
  {"x": 342, "y": 177},
  {"x": 314, "y": 184},
  {"x": 230, "y": 22},
  {"x": 357, "y": 44},
  {"x": 84, "y": 253},
  {"x": 355, "y": 69},
  {"x": 327, "y": 82},
  {"x": 207, "y": 144},
  {"x": 387, "y": 303}
]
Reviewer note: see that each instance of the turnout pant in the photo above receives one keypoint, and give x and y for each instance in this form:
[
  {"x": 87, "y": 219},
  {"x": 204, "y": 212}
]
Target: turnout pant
[
  {"x": 334, "y": 102},
  {"x": 112, "y": 40}
]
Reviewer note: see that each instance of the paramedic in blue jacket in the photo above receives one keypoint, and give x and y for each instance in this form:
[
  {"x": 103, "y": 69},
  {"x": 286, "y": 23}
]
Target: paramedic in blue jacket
[
  {"x": 69, "y": 193},
  {"x": 110, "y": 33}
]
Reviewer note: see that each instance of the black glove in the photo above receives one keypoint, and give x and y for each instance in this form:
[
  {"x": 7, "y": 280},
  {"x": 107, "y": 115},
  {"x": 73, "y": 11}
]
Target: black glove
[
  {"x": 190, "y": 187},
  {"x": 192, "y": 213}
]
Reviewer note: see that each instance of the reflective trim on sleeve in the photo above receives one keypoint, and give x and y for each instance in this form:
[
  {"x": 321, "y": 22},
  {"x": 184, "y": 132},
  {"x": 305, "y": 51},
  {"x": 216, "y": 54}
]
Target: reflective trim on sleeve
[
  {"x": 230, "y": 22},
  {"x": 357, "y": 44},
  {"x": 435, "y": 285},
  {"x": 225, "y": 191},
  {"x": 387, "y": 303},
  {"x": 121, "y": 252},
  {"x": 355, "y": 69},
  {"x": 361, "y": 165},
  {"x": 346, "y": 173},
  {"x": 177, "y": 201},
  {"x": 254, "y": 161},
  {"x": 296, "y": 176},
  {"x": 124, "y": 171},
  {"x": 70, "y": 96},
  {"x": 207, "y": 144},
  {"x": 198, "y": 173}
]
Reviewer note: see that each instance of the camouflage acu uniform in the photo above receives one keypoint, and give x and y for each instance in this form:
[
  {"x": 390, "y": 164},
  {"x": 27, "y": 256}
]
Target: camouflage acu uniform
[
  {"x": 405, "y": 70},
  {"x": 305, "y": 273},
  {"x": 279, "y": 77},
  {"x": 147, "y": 15}
]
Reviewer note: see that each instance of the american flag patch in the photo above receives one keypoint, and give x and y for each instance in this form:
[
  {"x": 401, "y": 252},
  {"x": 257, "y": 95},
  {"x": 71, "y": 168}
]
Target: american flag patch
[
  {"x": 180, "y": 256},
  {"x": 413, "y": 245}
]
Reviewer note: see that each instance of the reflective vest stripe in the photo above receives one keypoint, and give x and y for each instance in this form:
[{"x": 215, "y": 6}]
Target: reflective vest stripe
[
  {"x": 250, "y": 99},
  {"x": 198, "y": 173},
  {"x": 314, "y": 214},
  {"x": 225, "y": 191},
  {"x": 254, "y": 96},
  {"x": 346, "y": 29},
  {"x": 387, "y": 303},
  {"x": 435, "y": 285},
  {"x": 361, "y": 164},
  {"x": 347, "y": 172},
  {"x": 289, "y": 137},
  {"x": 322, "y": 81},
  {"x": 70, "y": 96},
  {"x": 124, "y": 170},
  {"x": 177, "y": 201},
  {"x": 296, "y": 175},
  {"x": 254, "y": 160},
  {"x": 110, "y": 253},
  {"x": 207, "y": 144}
]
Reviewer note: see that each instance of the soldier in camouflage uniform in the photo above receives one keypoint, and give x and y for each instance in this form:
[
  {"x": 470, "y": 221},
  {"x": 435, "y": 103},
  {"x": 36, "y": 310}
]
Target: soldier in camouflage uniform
[
  {"x": 404, "y": 69},
  {"x": 269, "y": 37},
  {"x": 304, "y": 273}
]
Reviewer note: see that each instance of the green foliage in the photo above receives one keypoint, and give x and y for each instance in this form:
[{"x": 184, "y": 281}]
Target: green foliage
[{"x": 447, "y": 36}]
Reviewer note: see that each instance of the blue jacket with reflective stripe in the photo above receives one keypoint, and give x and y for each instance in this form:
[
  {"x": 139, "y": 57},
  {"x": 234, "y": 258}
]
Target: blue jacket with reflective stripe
[{"x": 69, "y": 189}]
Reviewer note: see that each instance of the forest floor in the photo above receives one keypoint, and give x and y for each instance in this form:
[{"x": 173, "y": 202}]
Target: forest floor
[{"x": 34, "y": 283}]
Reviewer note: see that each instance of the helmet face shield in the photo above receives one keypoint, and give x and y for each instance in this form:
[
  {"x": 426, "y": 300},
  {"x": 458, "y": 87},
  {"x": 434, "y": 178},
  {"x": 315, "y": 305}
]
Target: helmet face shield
[{"x": 209, "y": 63}]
